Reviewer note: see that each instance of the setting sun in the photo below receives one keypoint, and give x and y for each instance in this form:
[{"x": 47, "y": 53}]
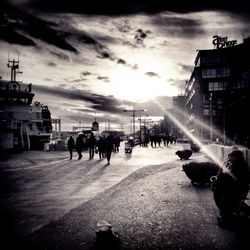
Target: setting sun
[{"x": 138, "y": 86}]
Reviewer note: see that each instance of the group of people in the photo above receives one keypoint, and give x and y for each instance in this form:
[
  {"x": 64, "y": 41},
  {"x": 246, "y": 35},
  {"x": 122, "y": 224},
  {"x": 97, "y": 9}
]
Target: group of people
[
  {"x": 158, "y": 139},
  {"x": 104, "y": 146}
]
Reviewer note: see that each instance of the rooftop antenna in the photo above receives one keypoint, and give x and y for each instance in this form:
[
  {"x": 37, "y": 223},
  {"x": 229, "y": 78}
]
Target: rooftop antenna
[{"x": 14, "y": 66}]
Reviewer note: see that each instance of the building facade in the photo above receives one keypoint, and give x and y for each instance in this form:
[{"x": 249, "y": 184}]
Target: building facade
[{"x": 217, "y": 93}]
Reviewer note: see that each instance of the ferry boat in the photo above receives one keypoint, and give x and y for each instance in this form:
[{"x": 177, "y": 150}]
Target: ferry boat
[{"x": 23, "y": 125}]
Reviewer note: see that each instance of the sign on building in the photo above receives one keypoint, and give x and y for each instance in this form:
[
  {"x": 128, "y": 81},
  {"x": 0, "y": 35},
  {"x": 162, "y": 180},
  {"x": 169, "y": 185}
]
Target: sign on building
[{"x": 220, "y": 42}]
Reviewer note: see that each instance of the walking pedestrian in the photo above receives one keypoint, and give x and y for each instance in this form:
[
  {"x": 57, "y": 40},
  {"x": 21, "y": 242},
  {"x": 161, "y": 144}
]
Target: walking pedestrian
[
  {"x": 91, "y": 145},
  {"x": 71, "y": 146},
  {"x": 79, "y": 145},
  {"x": 109, "y": 147},
  {"x": 117, "y": 144},
  {"x": 101, "y": 147}
]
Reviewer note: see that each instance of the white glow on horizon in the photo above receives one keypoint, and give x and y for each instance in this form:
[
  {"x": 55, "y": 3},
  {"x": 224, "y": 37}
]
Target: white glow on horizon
[{"x": 136, "y": 86}]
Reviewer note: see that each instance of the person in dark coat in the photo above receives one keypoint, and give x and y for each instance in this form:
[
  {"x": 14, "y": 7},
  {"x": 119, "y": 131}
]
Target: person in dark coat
[
  {"x": 91, "y": 145},
  {"x": 71, "y": 146},
  {"x": 109, "y": 145},
  {"x": 231, "y": 185},
  {"x": 101, "y": 147},
  {"x": 117, "y": 144},
  {"x": 79, "y": 146}
]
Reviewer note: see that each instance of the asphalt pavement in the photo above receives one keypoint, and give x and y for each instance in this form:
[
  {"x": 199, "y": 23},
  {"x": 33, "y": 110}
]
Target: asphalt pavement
[{"x": 148, "y": 199}]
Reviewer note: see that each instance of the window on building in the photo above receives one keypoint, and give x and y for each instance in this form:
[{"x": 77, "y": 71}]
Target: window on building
[
  {"x": 213, "y": 59},
  {"x": 212, "y": 73},
  {"x": 241, "y": 84},
  {"x": 216, "y": 86},
  {"x": 205, "y": 111}
]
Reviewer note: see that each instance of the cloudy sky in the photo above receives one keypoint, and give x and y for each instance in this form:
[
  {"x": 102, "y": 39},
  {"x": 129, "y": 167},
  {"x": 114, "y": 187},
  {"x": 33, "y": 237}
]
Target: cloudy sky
[{"x": 96, "y": 59}]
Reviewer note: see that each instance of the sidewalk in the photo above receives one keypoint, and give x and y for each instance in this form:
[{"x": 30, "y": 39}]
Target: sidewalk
[{"x": 154, "y": 208}]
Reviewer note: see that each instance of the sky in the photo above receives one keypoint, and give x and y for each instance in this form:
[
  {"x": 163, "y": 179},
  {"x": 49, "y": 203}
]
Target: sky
[{"x": 94, "y": 59}]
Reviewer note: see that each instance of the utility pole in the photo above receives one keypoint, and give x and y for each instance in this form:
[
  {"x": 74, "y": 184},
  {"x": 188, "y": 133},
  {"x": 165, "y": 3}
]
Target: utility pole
[{"x": 108, "y": 124}]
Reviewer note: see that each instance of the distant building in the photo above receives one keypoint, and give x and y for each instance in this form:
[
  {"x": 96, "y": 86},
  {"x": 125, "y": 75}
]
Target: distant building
[
  {"x": 95, "y": 126},
  {"x": 113, "y": 132},
  {"x": 167, "y": 126},
  {"x": 179, "y": 112},
  {"x": 217, "y": 94}
]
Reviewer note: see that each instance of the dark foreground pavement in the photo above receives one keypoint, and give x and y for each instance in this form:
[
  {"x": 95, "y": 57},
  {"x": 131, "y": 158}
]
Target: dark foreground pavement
[{"x": 154, "y": 208}]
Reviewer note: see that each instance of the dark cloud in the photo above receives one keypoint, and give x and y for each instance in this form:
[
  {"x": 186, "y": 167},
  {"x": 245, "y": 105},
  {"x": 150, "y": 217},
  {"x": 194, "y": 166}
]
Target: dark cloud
[
  {"x": 179, "y": 26},
  {"x": 126, "y": 7},
  {"x": 60, "y": 35},
  {"x": 103, "y": 78},
  {"x": 152, "y": 74},
  {"x": 121, "y": 61},
  {"x": 15, "y": 21},
  {"x": 60, "y": 55},
  {"x": 51, "y": 64},
  {"x": 86, "y": 73},
  {"x": 140, "y": 35},
  {"x": 94, "y": 101},
  {"x": 9, "y": 35}
]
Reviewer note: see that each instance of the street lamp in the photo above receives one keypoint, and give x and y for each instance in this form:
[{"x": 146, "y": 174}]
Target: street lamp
[
  {"x": 133, "y": 115},
  {"x": 211, "y": 116}
]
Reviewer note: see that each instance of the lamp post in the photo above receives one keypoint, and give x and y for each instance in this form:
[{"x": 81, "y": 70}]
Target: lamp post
[
  {"x": 134, "y": 111},
  {"x": 211, "y": 116}
]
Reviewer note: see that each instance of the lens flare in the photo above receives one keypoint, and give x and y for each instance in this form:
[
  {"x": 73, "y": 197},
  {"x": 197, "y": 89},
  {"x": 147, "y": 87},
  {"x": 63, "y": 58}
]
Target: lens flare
[
  {"x": 206, "y": 127},
  {"x": 190, "y": 135}
]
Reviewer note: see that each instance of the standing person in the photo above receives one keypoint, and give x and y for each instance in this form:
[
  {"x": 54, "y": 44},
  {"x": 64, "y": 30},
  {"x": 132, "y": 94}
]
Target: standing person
[
  {"x": 71, "y": 146},
  {"x": 79, "y": 145},
  {"x": 109, "y": 147},
  {"x": 91, "y": 145}
]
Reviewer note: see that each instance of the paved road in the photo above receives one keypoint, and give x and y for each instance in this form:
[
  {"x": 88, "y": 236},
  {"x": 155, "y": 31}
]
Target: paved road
[{"x": 37, "y": 187}]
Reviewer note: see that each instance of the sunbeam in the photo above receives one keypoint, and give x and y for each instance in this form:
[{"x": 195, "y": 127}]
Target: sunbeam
[
  {"x": 206, "y": 127},
  {"x": 190, "y": 135},
  {"x": 205, "y": 150}
]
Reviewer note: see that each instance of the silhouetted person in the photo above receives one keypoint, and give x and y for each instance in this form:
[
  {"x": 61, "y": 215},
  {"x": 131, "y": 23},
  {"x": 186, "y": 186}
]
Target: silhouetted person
[
  {"x": 109, "y": 145},
  {"x": 91, "y": 145},
  {"x": 117, "y": 144},
  {"x": 71, "y": 146},
  {"x": 79, "y": 145},
  {"x": 164, "y": 138},
  {"x": 101, "y": 147},
  {"x": 152, "y": 141},
  {"x": 231, "y": 184}
]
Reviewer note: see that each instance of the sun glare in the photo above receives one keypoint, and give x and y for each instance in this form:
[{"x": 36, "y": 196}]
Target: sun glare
[{"x": 137, "y": 86}]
